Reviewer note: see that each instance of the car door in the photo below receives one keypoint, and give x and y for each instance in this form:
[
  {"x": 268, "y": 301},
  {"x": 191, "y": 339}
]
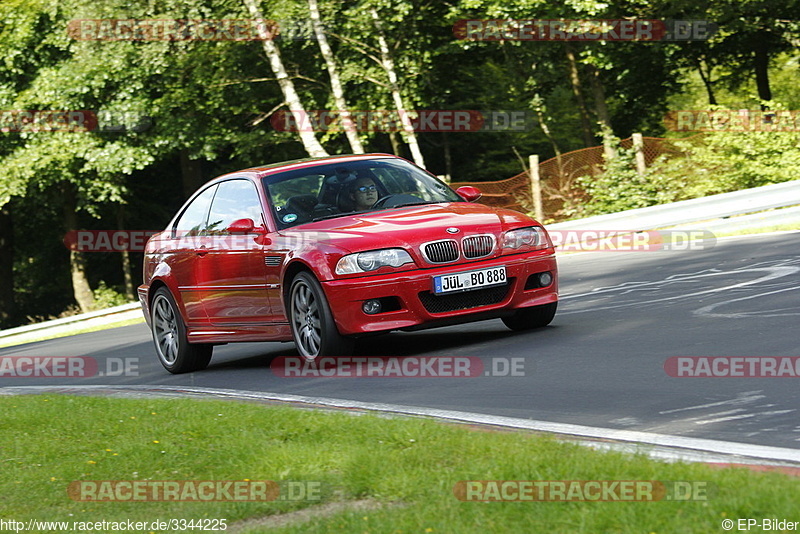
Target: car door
[
  {"x": 186, "y": 249},
  {"x": 230, "y": 272}
]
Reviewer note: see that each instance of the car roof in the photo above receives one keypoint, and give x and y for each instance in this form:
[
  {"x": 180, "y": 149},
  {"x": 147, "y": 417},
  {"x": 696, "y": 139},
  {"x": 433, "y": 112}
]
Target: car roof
[{"x": 265, "y": 170}]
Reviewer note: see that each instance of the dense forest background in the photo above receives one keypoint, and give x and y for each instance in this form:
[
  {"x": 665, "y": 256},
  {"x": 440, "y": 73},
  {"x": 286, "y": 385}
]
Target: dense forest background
[{"x": 184, "y": 111}]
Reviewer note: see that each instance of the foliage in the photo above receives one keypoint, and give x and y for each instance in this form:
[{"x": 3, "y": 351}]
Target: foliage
[
  {"x": 209, "y": 104},
  {"x": 620, "y": 187},
  {"x": 729, "y": 161},
  {"x": 719, "y": 162},
  {"x": 107, "y": 297}
]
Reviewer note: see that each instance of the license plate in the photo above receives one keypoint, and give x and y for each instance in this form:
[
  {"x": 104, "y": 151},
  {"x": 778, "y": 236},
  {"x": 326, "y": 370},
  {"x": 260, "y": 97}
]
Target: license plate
[{"x": 469, "y": 280}]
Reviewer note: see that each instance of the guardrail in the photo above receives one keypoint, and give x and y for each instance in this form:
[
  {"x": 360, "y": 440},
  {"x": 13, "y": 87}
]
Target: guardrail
[
  {"x": 690, "y": 211},
  {"x": 65, "y": 324}
]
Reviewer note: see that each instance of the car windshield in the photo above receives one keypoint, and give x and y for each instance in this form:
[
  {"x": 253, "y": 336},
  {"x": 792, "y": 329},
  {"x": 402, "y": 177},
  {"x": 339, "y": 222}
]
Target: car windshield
[{"x": 338, "y": 189}]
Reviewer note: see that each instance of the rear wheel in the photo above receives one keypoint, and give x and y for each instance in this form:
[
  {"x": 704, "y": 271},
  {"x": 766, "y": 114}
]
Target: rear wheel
[
  {"x": 313, "y": 327},
  {"x": 533, "y": 317},
  {"x": 174, "y": 351}
]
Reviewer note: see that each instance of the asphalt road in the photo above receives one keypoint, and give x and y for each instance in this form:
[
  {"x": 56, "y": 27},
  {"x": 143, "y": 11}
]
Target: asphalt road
[{"x": 600, "y": 363}]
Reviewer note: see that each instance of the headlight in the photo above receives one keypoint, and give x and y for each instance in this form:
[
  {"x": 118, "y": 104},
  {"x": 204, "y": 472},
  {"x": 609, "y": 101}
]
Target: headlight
[
  {"x": 533, "y": 236},
  {"x": 363, "y": 262}
]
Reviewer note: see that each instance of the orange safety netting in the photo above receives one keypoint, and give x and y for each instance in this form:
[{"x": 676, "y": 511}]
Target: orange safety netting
[{"x": 558, "y": 178}]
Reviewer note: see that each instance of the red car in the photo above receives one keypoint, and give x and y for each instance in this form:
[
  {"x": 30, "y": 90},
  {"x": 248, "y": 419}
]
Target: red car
[{"x": 322, "y": 251}]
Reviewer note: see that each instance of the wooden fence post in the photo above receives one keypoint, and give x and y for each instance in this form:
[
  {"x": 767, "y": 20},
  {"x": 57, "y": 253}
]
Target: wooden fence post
[
  {"x": 536, "y": 187},
  {"x": 638, "y": 147}
]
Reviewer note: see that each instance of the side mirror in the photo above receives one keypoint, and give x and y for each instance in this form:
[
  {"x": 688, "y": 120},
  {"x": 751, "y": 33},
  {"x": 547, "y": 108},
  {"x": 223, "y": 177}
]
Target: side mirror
[
  {"x": 241, "y": 226},
  {"x": 469, "y": 193}
]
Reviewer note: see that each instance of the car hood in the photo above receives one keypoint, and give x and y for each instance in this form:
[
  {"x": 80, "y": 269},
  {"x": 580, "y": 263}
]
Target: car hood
[{"x": 408, "y": 227}]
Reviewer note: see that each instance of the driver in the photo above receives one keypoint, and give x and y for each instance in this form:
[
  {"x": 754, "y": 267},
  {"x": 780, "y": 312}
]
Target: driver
[{"x": 364, "y": 194}]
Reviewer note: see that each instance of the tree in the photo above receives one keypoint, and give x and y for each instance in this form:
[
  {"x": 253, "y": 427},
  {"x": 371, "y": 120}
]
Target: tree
[
  {"x": 337, "y": 88},
  {"x": 292, "y": 99}
]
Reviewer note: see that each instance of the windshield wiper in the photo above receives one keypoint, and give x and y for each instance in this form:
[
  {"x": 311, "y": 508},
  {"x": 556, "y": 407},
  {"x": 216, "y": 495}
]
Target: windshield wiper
[
  {"x": 331, "y": 216},
  {"x": 421, "y": 203}
]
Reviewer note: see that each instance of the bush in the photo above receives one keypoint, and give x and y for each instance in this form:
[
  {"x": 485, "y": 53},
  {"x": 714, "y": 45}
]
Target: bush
[
  {"x": 106, "y": 297},
  {"x": 620, "y": 187},
  {"x": 730, "y": 161},
  {"x": 719, "y": 162}
]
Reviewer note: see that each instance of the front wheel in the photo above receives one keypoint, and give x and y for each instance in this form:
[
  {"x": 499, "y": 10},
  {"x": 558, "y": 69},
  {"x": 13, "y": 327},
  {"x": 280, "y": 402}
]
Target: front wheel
[
  {"x": 313, "y": 328},
  {"x": 174, "y": 351},
  {"x": 533, "y": 317}
]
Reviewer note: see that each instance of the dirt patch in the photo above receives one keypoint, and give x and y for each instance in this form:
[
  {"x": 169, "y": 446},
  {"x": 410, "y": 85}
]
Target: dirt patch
[{"x": 307, "y": 514}]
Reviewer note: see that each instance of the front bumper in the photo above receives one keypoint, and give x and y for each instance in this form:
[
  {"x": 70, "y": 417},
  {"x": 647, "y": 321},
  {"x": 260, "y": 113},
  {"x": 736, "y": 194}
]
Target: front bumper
[
  {"x": 418, "y": 307},
  {"x": 142, "y": 293}
]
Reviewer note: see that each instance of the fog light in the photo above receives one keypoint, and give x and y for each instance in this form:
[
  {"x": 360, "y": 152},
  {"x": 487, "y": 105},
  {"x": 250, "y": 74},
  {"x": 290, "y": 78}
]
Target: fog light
[
  {"x": 371, "y": 307},
  {"x": 545, "y": 279}
]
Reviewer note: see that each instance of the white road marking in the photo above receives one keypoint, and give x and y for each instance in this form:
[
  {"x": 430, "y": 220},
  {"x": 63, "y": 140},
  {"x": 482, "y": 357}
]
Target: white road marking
[
  {"x": 741, "y": 398},
  {"x": 743, "y": 416},
  {"x": 705, "y": 311},
  {"x": 773, "y": 273}
]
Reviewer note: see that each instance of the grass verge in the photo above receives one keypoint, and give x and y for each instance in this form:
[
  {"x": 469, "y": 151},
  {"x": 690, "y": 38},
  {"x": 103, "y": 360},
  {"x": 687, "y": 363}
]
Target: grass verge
[{"x": 374, "y": 474}]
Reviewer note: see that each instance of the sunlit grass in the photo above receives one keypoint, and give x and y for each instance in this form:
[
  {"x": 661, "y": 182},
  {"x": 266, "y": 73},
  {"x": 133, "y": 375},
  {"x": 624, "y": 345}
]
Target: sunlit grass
[{"x": 409, "y": 465}]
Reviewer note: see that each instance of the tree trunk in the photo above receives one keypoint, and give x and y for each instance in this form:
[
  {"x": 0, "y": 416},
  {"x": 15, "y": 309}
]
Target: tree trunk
[
  {"x": 546, "y": 130},
  {"x": 761, "y": 64},
  {"x": 599, "y": 93},
  {"x": 575, "y": 81},
  {"x": 388, "y": 65},
  {"x": 126, "y": 257},
  {"x": 350, "y": 129},
  {"x": 448, "y": 157},
  {"x": 191, "y": 173},
  {"x": 6, "y": 266},
  {"x": 80, "y": 284},
  {"x": 396, "y": 148},
  {"x": 292, "y": 99},
  {"x": 712, "y": 100}
]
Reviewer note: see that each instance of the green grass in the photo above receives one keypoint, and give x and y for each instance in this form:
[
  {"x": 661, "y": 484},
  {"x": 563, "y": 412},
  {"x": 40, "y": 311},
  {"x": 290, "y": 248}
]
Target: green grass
[
  {"x": 409, "y": 465},
  {"x": 774, "y": 228}
]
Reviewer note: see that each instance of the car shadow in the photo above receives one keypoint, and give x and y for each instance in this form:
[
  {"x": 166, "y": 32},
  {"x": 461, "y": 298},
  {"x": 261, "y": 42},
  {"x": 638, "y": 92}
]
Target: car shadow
[{"x": 394, "y": 344}]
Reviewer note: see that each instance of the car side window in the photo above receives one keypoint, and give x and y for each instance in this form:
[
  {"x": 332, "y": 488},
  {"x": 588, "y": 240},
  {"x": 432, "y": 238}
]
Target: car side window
[
  {"x": 193, "y": 220},
  {"x": 235, "y": 199}
]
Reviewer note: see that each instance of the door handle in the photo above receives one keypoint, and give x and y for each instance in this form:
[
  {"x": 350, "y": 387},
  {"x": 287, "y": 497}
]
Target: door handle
[{"x": 202, "y": 251}]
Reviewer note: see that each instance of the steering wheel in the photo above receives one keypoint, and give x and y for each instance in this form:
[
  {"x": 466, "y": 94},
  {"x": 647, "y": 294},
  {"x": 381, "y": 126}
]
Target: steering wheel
[
  {"x": 396, "y": 199},
  {"x": 381, "y": 201}
]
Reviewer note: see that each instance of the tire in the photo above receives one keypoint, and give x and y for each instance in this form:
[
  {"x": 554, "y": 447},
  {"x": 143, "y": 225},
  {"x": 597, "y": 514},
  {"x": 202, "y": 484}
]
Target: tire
[
  {"x": 313, "y": 328},
  {"x": 174, "y": 351},
  {"x": 533, "y": 317}
]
